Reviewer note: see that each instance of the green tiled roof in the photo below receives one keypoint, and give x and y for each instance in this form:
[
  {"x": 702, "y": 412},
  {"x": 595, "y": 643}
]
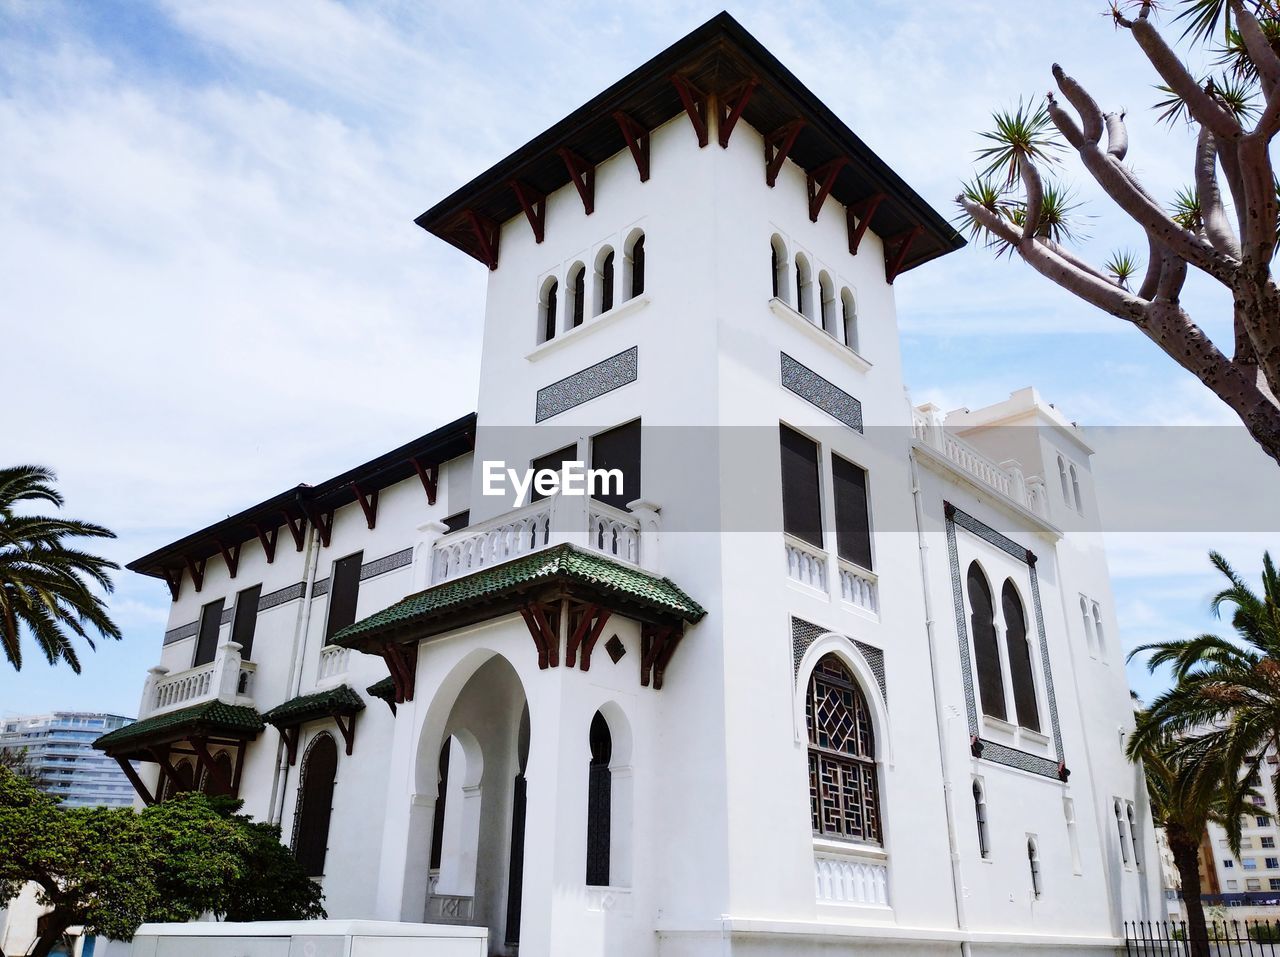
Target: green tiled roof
[
  {"x": 384, "y": 689},
  {"x": 323, "y": 704},
  {"x": 561, "y": 562},
  {"x": 211, "y": 716}
]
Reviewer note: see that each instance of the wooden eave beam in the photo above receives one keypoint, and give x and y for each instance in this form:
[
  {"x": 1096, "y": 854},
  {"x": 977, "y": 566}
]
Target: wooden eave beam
[
  {"x": 730, "y": 109},
  {"x": 583, "y": 175},
  {"x": 695, "y": 104},
  {"x": 297, "y": 528},
  {"x": 589, "y": 643},
  {"x": 777, "y": 147},
  {"x": 637, "y": 138},
  {"x": 211, "y": 768},
  {"x": 654, "y": 654},
  {"x": 587, "y": 614},
  {"x": 486, "y": 234},
  {"x": 237, "y": 769},
  {"x": 858, "y": 218},
  {"x": 347, "y": 726},
  {"x": 430, "y": 477},
  {"x": 544, "y": 636},
  {"x": 196, "y": 570},
  {"x": 894, "y": 267},
  {"x": 230, "y": 555},
  {"x": 290, "y": 735},
  {"x": 368, "y": 504},
  {"x": 143, "y": 792},
  {"x": 820, "y": 181},
  {"x": 534, "y": 205},
  {"x": 402, "y": 662}
]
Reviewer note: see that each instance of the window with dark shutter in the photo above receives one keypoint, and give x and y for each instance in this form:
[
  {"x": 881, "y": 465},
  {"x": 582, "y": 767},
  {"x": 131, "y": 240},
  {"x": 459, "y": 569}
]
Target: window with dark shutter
[
  {"x": 460, "y": 520},
  {"x": 801, "y": 493},
  {"x": 555, "y": 462},
  {"x": 599, "y": 801},
  {"x": 207, "y": 641},
  {"x": 579, "y": 281},
  {"x": 1024, "y": 682},
  {"x": 618, "y": 449},
  {"x": 986, "y": 646},
  {"x": 853, "y": 522},
  {"x": 637, "y": 268},
  {"x": 442, "y": 788},
  {"x": 549, "y": 311},
  {"x": 606, "y": 283},
  {"x": 246, "y": 620},
  {"x": 344, "y": 589},
  {"x": 773, "y": 268},
  {"x": 315, "y": 805},
  {"x": 980, "y": 814}
]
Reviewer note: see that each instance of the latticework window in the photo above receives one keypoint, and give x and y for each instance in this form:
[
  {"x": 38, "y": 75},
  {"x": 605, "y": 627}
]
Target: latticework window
[{"x": 844, "y": 798}]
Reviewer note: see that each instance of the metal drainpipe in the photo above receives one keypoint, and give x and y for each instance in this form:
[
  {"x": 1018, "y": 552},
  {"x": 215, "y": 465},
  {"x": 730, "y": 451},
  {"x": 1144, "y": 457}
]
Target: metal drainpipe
[
  {"x": 953, "y": 848},
  {"x": 311, "y": 561}
]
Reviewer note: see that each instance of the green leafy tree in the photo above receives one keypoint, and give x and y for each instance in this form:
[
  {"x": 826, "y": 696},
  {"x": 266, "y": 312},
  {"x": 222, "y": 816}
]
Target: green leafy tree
[
  {"x": 112, "y": 869},
  {"x": 46, "y": 581},
  {"x": 1224, "y": 226}
]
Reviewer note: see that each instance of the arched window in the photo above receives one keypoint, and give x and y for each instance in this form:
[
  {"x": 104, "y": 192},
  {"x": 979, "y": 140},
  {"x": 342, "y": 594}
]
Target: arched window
[
  {"x": 1097, "y": 627},
  {"x": 1033, "y": 860},
  {"x": 778, "y": 261},
  {"x": 315, "y": 804},
  {"x": 844, "y": 798},
  {"x": 599, "y": 802},
  {"x": 219, "y": 781},
  {"x": 547, "y": 302},
  {"x": 1019, "y": 650},
  {"x": 1087, "y": 618},
  {"x": 437, "y": 820},
  {"x": 635, "y": 264},
  {"x": 986, "y": 644},
  {"x": 1062, "y": 477},
  {"x": 604, "y": 281},
  {"x": 1121, "y": 830},
  {"x": 1075, "y": 490},
  {"x": 804, "y": 286},
  {"x": 577, "y": 294},
  {"x": 186, "y": 780},
  {"x": 827, "y": 303},
  {"x": 980, "y": 817},
  {"x": 1133, "y": 835},
  {"x": 849, "y": 313}
]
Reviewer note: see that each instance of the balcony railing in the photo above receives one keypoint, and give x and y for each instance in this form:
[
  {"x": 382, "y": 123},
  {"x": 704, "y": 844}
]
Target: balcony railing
[
  {"x": 858, "y": 587},
  {"x": 808, "y": 564},
  {"x": 850, "y": 880},
  {"x": 227, "y": 678},
  {"x": 628, "y": 536},
  {"x": 333, "y": 661}
]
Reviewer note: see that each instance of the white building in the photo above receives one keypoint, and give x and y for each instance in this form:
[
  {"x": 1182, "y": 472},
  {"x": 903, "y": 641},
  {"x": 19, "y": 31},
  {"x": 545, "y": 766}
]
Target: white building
[
  {"x": 58, "y": 749},
  {"x": 830, "y": 671}
]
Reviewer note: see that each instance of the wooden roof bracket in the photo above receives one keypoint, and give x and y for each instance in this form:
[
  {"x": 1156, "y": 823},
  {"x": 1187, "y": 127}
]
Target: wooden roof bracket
[
  {"x": 892, "y": 269},
  {"x": 290, "y": 735},
  {"x": 583, "y": 175},
  {"x": 534, "y": 205},
  {"x": 231, "y": 556},
  {"x": 584, "y": 637},
  {"x": 545, "y": 638},
  {"x": 637, "y": 138},
  {"x": 695, "y": 104},
  {"x": 347, "y": 726},
  {"x": 730, "y": 106},
  {"x": 820, "y": 181},
  {"x": 321, "y": 521},
  {"x": 430, "y": 478},
  {"x": 486, "y": 233},
  {"x": 368, "y": 504},
  {"x": 297, "y": 527},
  {"x": 143, "y": 792},
  {"x": 858, "y": 218},
  {"x": 196, "y": 568},
  {"x": 777, "y": 146},
  {"x": 267, "y": 540},
  {"x": 402, "y": 662},
  {"x": 656, "y": 645},
  {"x": 174, "y": 580}
]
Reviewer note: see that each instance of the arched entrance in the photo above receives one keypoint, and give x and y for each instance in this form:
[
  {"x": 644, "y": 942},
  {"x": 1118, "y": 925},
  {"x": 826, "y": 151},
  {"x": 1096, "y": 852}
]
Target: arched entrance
[{"x": 477, "y": 836}]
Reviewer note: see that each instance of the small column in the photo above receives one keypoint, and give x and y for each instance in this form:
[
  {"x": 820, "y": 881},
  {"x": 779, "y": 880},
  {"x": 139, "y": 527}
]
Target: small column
[
  {"x": 424, "y": 572},
  {"x": 226, "y": 672},
  {"x": 1036, "y": 498},
  {"x": 148, "y": 702},
  {"x": 569, "y": 519},
  {"x": 1017, "y": 480},
  {"x": 648, "y": 514}
]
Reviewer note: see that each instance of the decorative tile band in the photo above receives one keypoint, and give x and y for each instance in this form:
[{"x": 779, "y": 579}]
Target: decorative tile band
[
  {"x": 591, "y": 383},
  {"x": 817, "y": 391},
  {"x": 188, "y": 630},
  {"x": 989, "y": 534},
  {"x": 805, "y": 633},
  {"x": 389, "y": 563},
  {"x": 1013, "y": 758},
  {"x": 226, "y": 615},
  {"x": 292, "y": 593},
  {"x": 320, "y": 588}
]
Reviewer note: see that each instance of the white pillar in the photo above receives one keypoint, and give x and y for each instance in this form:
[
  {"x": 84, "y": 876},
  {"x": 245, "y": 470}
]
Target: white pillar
[
  {"x": 424, "y": 554},
  {"x": 1017, "y": 480},
  {"x": 648, "y": 515},
  {"x": 148, "y": 702},
  {"x": 568, "y": 519},
  {"x": 226, "y": 672}
]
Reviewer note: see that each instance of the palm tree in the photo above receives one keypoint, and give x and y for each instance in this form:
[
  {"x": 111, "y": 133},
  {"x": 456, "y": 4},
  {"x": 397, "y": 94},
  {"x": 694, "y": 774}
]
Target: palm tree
[
  {"x": 1184, "y": 782},
  {"x": 46, "y": 583}
]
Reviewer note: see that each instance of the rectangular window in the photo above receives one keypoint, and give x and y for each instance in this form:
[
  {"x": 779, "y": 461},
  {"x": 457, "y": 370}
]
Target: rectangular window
[
  {"x": 1268, "y": 842},
  {"x": 801, "y": 492},
  {"x": 1274, "y": 883},
  {"x": 1232, "y": 885},
  {"x": 618, "y": 449},
  {"x": 461, "y": 520},
  {"x": 554, "y": 461},
  {"x": 853, "y": 523},
  {"x": 1228, "y": 863},
  {"x": 1249, "y": 863},
  {"x": 1273, "y": 863},
  {"x": 1253, "y": 884},
  {"x": 344, "y": 589},
  {"x": 1262, "y": 820},
  {"x": 207, "y": 642},
  {"x": 246, "y": 620}
]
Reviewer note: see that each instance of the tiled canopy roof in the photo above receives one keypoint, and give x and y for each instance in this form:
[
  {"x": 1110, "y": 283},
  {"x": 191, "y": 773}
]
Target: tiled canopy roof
[
  {"x": 211, "y": 717},
  {"x": 322, "y": 704},
  {"x": 632, "y": 590},
  {"x": 384, "y": 689}
]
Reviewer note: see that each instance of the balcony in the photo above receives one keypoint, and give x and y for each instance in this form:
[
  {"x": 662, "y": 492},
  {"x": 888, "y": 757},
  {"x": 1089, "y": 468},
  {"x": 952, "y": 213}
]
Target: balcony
[
  {"x": 628, "y": 537},
  {"x": 227, "y": 678},
  {"x": 857, "y": 587}
]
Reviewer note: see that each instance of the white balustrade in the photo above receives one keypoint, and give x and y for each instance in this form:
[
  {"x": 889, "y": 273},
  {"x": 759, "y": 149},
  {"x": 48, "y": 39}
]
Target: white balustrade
[
  {"x": 859, "y": 587},
  {"x": 183, "y": 687},
  {"x": 614, "y": 532},
  {"x": 227, "y": 678},
  {"x": 850, "y": 880},
  {"x": 806, "y": 564},
  {"x": 333, "y": 661}
]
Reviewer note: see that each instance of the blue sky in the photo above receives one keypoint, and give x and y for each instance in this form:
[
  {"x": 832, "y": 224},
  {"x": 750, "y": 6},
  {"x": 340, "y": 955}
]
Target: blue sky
[{"x": 213, "y": 287}]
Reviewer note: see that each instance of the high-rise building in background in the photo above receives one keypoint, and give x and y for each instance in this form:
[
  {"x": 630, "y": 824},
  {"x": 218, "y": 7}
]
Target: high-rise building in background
[{"x": 60, "y": 754}]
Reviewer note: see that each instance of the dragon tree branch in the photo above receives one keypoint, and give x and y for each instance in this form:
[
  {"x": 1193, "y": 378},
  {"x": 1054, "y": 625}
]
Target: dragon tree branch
[
  {"x": 1216, "y": 224},
  {"x": 1258, "y": 47}
]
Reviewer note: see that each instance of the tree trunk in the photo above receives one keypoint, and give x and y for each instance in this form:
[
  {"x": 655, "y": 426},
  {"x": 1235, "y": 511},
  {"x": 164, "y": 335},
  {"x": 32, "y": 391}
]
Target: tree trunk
[{"x": 1186, "y": 856}]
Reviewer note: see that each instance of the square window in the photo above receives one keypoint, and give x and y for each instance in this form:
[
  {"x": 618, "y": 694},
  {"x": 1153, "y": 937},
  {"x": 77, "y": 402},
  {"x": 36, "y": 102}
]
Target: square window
[
  {"x": 1262, "y": 820},
  {"x": 1268, "y": 842},
  {"x": 1253, "y": 884},
  {"x": 1272, "y": 862},
  {"x": 1228, "y": 863},
  {"x": 1274, "y": 883},
  {"x": 1232, "y": 885}
]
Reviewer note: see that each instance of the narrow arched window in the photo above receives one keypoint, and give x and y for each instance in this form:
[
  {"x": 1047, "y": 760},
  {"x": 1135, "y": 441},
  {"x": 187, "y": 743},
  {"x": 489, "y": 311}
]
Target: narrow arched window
[
  {"x": 1033, "y": 860},
  {"x": 980, "y": 817},
  {"x": 604, "y": 281},
  {"x": 1075, "y": 490},
  {"x": 844, "y": 790},
  {"x": 1062, "y": 478},
  {"x": 778, "y": 260},
  {"x": 1019, "y": 651},
  {"x": 1133, "y": 835},
  {"x": 1097, "y": 627},
  {"x": 437, "y": 820},
  {"x": 1121, "y": 830},
  {"x": 827, "y": 303},
  {"x": 986, "y": 644},
  {"x": 849, "y": 313},
  {"x": 217, "y": 780},
  {"x": 577, "y": 294},
  {"x": 315, "y": 804},
  {"x": 804, "y": 284},
  {"x": 635, "y": 265},
  {"x": 547, "y": 303},
  {"x": 1087, "y": 619},
  {"x": 184, "y": 779},
  {"x": 599, "y": 802}
]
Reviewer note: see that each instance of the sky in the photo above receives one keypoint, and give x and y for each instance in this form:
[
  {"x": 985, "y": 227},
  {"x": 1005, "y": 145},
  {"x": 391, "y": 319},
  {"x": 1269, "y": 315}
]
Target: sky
[{"x": 211, "y": 287}]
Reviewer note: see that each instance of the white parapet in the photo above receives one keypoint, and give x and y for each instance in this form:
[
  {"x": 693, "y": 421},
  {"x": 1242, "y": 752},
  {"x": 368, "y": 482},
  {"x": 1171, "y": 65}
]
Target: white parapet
[{"x": 322, "y": 938}]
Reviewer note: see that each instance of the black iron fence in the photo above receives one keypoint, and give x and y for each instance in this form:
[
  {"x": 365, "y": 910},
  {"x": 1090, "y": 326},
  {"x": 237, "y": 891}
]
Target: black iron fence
[{"x": 1224, "y": 938}]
